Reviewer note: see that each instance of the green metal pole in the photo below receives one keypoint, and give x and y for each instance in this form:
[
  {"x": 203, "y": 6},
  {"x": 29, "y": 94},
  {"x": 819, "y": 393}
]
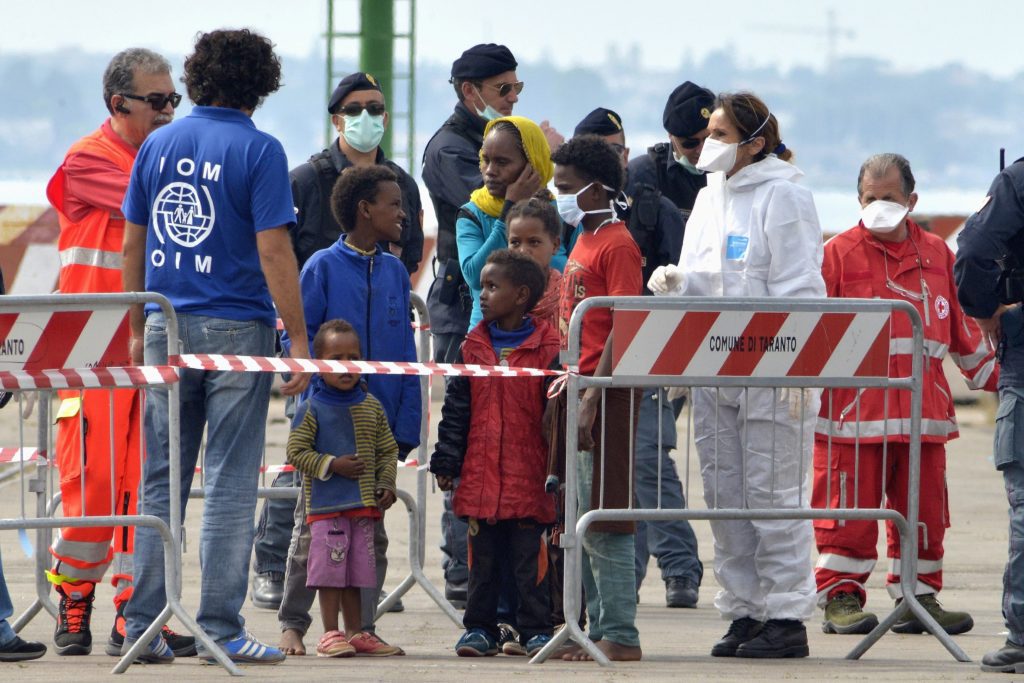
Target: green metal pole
[{"x": 376, "y": 50}]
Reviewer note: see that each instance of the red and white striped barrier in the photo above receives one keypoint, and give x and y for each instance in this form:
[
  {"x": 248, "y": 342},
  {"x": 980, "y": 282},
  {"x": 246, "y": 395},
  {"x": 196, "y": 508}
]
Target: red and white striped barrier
[
  {"x": 750, "y": 344},
  {"x": 365, "y": 367},
  {"x": 35, "y": 341}
]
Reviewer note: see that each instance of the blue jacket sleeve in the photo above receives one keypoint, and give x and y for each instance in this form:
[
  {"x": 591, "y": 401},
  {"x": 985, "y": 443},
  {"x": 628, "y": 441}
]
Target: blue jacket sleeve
[
  {"x": 985, "y": 238},
  {"x": 410, "y": 411},
  {"x": 476, "y": 241}
]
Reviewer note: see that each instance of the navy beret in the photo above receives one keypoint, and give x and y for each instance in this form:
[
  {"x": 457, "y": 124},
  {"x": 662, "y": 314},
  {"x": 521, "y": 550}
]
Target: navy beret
[
  {"x": 351, "y": 83},
  {"x": 601, "y": 121},
  {"x": 483, "y": 61},
  {"x": 688, "y": 109}
]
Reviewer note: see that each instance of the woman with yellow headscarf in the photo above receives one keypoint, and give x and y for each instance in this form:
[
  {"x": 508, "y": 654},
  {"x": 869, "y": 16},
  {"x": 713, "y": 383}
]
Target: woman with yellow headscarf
[{"x": 515, "y": 162}]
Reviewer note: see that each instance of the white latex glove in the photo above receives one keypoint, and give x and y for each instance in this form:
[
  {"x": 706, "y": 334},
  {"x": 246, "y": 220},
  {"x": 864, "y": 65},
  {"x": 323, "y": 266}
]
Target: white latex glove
[
  {"x": 676, "y": 393},
  {"x": 27, "y": 404},
  {"x": 665, "y": 279}
]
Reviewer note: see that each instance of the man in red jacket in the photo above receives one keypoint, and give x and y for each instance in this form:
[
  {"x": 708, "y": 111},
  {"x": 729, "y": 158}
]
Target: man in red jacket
[
  {"x": 87, "y": 191},
  {"x": 888, "y": 256}
]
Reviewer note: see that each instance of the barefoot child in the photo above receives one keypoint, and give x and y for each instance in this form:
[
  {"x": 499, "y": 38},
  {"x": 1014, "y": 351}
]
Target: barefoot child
[
  {"x": 490, "y": 435},
  {"x": 341, "y": 443},
  {"x": 534, "y": 229}
]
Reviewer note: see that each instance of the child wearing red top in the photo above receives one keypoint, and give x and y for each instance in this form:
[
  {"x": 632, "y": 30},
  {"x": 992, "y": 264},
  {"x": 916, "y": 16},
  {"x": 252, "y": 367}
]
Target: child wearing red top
[{"x": 605, "y": 261}]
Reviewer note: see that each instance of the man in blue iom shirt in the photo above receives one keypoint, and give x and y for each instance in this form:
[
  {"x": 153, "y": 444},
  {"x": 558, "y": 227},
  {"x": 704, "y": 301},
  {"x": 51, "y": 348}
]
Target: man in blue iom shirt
[{"x": 208, "y": 210}]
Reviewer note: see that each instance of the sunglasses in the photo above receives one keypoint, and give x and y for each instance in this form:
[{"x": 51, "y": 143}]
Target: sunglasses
[
  {"x": 156, "y": 100},
  {"x": 689, "y": 143},
  {"x": 619, "y": 149},
  {"x": 355, "y": 109},
  {"x": 505, "y": 89}
]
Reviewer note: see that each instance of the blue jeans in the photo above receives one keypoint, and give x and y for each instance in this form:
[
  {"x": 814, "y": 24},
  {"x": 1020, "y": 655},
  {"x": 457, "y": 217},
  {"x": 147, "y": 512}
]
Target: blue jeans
[
  {"x": 233, "y": 408},
  {"x": 274, "y": 529},
  {"x": 673, "y": 543},
  {"x": 6, "y": 610},
  {"x": 609, "y": 575},
  {"x": 1009, "y": 458}
]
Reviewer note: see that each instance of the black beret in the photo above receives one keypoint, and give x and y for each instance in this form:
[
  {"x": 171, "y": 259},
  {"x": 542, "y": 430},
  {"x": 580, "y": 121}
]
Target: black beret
[
  {"x": 601, "y": 121},
  {"x": 483, "y": 61},
  {"x": 688, "y": 109},
  {"x": 351, "y": 83}
]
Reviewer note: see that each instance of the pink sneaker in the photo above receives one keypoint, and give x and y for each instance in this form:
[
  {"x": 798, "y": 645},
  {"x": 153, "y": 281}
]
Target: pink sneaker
[
  {"x": 369, "y": 645},
  {"x": 333, "y": 644}
]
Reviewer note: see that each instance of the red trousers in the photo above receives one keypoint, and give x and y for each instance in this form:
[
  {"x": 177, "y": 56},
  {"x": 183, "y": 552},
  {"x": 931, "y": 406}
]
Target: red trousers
[
  {"x": 847, "y": 549},
  {"x": 109, "y": 483}
]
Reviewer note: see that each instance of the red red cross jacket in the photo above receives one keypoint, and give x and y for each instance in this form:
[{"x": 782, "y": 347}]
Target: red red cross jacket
[{"x": 918, "y": 270}]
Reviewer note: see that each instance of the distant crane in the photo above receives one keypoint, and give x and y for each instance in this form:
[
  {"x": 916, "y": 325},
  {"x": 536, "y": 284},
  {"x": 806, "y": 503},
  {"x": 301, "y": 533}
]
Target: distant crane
[{"x": 833, "y": 32}]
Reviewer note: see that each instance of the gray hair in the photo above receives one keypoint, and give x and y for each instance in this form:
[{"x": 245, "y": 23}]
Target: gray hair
[
  {"x": 879, "y": 164},
  {"x": 120, "y": 74}
]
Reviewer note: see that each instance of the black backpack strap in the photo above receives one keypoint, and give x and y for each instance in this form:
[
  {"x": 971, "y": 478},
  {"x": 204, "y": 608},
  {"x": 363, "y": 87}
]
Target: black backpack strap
[{"x": 659, "y": 154}]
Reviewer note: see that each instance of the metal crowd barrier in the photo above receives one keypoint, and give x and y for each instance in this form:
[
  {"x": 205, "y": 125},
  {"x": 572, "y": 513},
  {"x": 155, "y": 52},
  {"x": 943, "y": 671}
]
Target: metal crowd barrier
[
  {"x": 59, "y": 342},
  {"x": 666, "y": 352}
]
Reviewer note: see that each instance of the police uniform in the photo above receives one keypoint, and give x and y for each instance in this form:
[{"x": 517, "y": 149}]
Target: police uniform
[
  {"x": 451, "y": 171},
  {"x": 994, "y": 235},
  {"x": 686, "y": 114}
]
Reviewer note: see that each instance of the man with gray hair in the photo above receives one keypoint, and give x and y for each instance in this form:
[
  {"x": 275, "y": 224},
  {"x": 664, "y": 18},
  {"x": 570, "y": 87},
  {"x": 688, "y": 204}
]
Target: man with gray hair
[
  {"x": 87, "y": 191},
  {"x": 862, "y": 439}
]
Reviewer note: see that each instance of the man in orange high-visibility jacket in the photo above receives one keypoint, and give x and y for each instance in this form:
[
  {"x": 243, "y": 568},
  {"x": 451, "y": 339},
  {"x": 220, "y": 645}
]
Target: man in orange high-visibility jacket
[{"x": 87, "y": 191}]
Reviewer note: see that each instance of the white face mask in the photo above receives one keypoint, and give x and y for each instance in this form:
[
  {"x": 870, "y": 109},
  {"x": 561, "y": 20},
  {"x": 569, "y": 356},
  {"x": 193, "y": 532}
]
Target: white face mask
[
  {"x": 569, "y": 206},
  {"x": 717, "y": 156},
  {"x": 687, "y": 164},
  {"x": 883, "y": 216}
]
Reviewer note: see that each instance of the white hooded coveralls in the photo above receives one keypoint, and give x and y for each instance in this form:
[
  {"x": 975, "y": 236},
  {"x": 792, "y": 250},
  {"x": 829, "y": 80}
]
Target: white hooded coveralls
[{"x": 756, "y": 234}]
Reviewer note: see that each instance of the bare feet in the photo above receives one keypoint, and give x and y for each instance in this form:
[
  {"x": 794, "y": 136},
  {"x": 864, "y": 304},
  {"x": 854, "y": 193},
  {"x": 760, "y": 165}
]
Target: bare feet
[
  {"x": 291, "y": 643},
  {"x": 613, "y": 651},
  {"x": 618, "y": 652}
]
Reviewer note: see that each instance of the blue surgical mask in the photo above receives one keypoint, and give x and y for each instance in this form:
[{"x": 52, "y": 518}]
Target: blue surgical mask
[
  {"x": 687, "y": 164},
  {"x": 569, "y": 207},
  {"x": 489, "y": 113},
  {"x": 364, "y": 132}
]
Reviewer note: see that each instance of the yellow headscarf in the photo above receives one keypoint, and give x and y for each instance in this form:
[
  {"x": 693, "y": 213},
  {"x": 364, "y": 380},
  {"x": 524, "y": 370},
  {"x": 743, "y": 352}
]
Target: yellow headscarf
[{"x": 538, "y": 154}]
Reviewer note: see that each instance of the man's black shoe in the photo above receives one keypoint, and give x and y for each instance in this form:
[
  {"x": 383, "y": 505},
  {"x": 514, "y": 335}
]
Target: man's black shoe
[
  {"x": 457, "y": 594},
  {"x": 1009, "y": 659},
  {"x": 740, "y": 631},
  {"x": 680, "y": 592},
  {"x": 780, "y": 638},
  {"x": 268, "y": 590},
  {"x": 19, "y": 650}
]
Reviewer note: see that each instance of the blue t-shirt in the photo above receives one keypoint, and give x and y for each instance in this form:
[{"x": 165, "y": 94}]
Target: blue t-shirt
[{"x": 204, "y": 186}]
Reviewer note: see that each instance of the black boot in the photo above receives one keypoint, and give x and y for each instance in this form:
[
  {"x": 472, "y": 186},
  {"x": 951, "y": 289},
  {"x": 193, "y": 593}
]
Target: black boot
[
  {"x": 740, "y": 631},
  {"x": 778, "y": 639}
]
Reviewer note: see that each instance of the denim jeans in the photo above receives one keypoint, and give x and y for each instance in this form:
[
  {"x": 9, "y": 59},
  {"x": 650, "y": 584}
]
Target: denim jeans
[
  {"x": 609, "y": 574},
  {"x": 673, "y": 543},
  {"x": 1009, "y": 458},
  {"x": 274, "y": 529},
  {"x": 233, "y": 408},
  {"x": 6, "y": 610}
]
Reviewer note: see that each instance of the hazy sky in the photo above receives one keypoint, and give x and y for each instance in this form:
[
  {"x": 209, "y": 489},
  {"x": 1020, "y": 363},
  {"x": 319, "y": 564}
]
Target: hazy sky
[{"x": 913, "y": 34}]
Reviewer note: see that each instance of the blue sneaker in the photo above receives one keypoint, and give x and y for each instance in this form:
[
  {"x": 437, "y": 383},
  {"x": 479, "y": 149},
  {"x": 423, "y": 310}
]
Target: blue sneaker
[
  {"x": 246, "y": 649},
  {"x": 476, "y": 642},
  {"x": 534, "y": 644},
  {"x": 158, "y": 652}
]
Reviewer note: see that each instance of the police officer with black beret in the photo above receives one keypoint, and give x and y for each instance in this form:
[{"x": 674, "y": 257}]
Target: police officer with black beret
[
  {"x": 671, "y": 166},
  {"x": 989, "y": 274}
]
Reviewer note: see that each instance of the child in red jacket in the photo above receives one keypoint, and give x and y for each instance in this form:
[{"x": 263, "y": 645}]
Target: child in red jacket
[{"x": 490, "y": 436}]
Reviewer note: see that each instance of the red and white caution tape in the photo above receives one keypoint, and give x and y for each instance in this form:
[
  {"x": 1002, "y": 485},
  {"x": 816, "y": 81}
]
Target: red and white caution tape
[
  {"x": 89, "y": 378},
  {"x": 20, "y": 455},
  {"x": 364, "y": 367}
]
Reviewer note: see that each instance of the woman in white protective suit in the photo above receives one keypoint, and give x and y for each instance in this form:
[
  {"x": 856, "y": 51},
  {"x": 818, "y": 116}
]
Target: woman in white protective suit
[{"x": 753, "y": 232}]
